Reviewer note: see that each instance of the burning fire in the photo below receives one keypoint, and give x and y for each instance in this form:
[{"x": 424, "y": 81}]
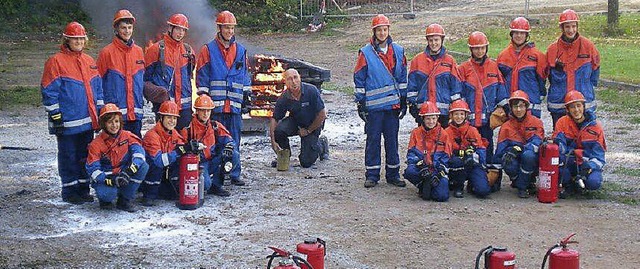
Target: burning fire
[{"x": 267, "y": 84}]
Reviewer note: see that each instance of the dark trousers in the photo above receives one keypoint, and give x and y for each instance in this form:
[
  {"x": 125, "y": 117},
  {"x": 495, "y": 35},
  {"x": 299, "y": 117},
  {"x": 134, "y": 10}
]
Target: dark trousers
[
  {"x": 309, "y": 148},
  {"x": 133, "y": 126},
  {"x": 233, "y": 123},
  {"x": 72, "y": 156},
  {"x": 382, "y": 123}
]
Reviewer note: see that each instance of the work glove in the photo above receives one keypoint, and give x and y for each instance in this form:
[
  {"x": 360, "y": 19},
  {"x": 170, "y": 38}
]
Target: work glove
[
  {"x": 414, "y": 111},
  {"x": 459, "y": 153},
  {"x": 122, "y": 179},
  {"x": 131, "y": 170},
  {"x": 246, "y": 102},
  {"x": 227, "y": 151},
  {"x": 403, "y": 107},
  {"x": 182, "y": 149},
  {"x": 513, "y": 153},
  {"x": 362, "y": 112},
  {"x": 471, "y": 157},
  {"x": 58, "y": 124},
  {"x": 111, "y": 181},
  {"x": 195, "y": 146}
]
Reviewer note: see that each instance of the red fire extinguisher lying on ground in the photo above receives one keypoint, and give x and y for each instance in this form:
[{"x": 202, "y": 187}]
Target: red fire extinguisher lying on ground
[
  {"x": 563, "y": 258},
  {"x": 496, "y": 258},
  {"x": 548, "y": 172},
  {"x": 314, "y": 249}
]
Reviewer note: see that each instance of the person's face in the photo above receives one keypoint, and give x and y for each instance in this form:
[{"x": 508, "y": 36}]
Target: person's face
[
  {"x": 178, "y": 33},
  {"x": 76, "y": 43},
  {"x": 519, "y": 109},
  {"x": 227, "y": 31},
  {"x": 518, "y": 38},
  {"x": 430, "y": 121},
  {"x": 292, "y": 80},
  {"x": 169, "y": 122},
  {"x": 576, "y": 111},
  {"x": 381, "y": 33},
  {"x": 479, "y": 52},
  {"x": 435, "y": 42},
  {"x": 459, "y": 116},
  {"x": 570, "y": 29},
  {"x": 112, "y": 126},
  {"x": 203, "y": 114},
  {"x": 125, "y": 30}
]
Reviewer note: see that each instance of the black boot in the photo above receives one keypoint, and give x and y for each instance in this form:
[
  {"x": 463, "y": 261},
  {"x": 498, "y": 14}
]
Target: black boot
[
  {"x": 125, "y": 205},
  {"x": 106, "y": 205}
]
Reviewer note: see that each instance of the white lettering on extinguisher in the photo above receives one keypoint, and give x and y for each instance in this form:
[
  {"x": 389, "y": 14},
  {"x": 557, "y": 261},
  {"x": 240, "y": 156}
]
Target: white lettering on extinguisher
[
  {"x": 511, "y": 262},
  {"x": 555, "y": 161},
  {"x": 192, "y": 167},
  {"x": 544, "y": 180}
]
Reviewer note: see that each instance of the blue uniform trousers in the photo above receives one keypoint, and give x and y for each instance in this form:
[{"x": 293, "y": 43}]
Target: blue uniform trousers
[
  {"x": 233, "y": 123},
  {"x": 520, "y": 169},
  {"x": 439, "y": 193},
  {"x": 72, "y": 156},
  {"x": 382, "y": 123},
  {"x": 570, "y": 169},
  {"x": 110, "y": 193},
  {"x": 476, "y": 176}
]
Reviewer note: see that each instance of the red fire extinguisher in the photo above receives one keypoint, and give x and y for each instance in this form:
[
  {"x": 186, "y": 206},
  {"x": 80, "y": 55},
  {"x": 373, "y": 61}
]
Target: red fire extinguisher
[
  {"x": 315, "y": 251},
  {"x": 562, "y": 257},
  {"x": 549, "y": 160},
  {"x": 189, "y": 181},
  {"x": 289, "y": 260},
  {"x": 496, "y": 258}
]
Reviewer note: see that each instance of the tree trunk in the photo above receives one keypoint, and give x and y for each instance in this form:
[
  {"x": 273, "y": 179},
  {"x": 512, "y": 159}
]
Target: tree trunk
[{"x": 612, "y": 15}]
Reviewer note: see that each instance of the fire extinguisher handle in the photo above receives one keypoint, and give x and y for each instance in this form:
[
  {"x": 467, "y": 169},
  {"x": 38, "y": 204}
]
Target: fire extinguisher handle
[{"x": 567, "y": 240}]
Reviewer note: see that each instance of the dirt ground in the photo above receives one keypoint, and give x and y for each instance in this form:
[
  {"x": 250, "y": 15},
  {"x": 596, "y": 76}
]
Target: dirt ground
[{"x": 382, "y": 227}]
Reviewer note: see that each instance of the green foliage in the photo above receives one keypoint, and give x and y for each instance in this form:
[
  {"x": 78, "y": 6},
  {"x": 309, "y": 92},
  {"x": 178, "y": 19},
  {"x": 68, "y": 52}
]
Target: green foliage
[
  {"x": 333, "y": 87},
  {"x": 263, "y": 15},
  {"x": 615, "y": 192},
  {"x": 19, "y": 96},
  {"x": 619, "y": 101},
  {"x": 39, "y": 15},
  {"x": 627, "y": 171},
  {"x": 618, "y": 54}
]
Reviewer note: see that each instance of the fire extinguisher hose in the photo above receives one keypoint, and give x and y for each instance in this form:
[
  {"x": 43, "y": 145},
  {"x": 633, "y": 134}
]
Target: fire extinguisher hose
[
  {"x": 544, "y": 261},
  {"x": 480, "y": 256}
]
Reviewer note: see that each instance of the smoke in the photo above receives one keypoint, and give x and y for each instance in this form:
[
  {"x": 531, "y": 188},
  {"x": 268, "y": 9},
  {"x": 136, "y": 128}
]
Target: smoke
[{"x": 151, "y": 18}]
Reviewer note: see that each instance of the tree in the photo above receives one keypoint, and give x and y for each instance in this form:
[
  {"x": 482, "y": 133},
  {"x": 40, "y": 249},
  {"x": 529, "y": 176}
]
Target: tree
[{"x": 613, "y": 17}]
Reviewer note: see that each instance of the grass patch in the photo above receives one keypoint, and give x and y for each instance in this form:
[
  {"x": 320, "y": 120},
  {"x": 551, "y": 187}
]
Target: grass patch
[
  {"x": 618, "y": 54},
  {"x": 20, "y": 96},
  {"x": 333, "y": 87},
  {"x": 614, "y": 192},
  {"x": 620, "y": 101},
  {"x": 633, "y": 172}
]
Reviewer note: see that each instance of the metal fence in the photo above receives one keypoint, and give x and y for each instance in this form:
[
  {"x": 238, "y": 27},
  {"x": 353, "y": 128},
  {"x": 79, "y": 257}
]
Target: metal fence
[{"x": 351, "y": 8}]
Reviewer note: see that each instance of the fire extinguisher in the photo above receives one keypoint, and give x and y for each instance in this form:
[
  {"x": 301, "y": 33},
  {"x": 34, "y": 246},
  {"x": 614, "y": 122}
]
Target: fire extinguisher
[
  {"x": 289, "y": 260},
  {"x": 189, "y": 191},
  {"x": 563, "y": 258},
  {"x": 496, "y": 258},
  {"x": 549, "y": 160},
  {"x": 315, "y": 251}
]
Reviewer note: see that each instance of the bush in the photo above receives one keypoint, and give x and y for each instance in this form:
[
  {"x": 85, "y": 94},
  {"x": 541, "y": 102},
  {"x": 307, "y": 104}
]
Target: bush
[
  {"x": 263, "y": 15},
  {"x": 39, "y": 15}
]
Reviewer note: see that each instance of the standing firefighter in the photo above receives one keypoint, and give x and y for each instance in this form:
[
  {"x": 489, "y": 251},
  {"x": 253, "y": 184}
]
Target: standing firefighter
[
  {"x": 169, "y": 65},
  {"x": 72, "y": 96},
  {"x": 483, "y": 89},
  {"x": 116, "y": 162},
  {"x": 523, "y": 66},
  {"x": 468, "y": 159},
  {"x": 574, "y": 64},
  {"x": 163, "y": 146},
  {"x": 219, "y": 146},
  {"x": 222, "y": 73},
  {"x": 428, "y": 156},
  {"x": 380, "y": 80},
  {"x": 433, "y": 76},
  {"x": 518, "y": 143},
  {"x": 121, "y": 66},
  {"x": 582, "y": 147}
]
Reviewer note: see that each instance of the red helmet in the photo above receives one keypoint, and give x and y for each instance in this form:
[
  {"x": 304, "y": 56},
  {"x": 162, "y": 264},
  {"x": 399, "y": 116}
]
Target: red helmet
[
  {"x": 459, "y": 105},
  {"x": 429, "y": 108},
  {"x": 203, "y": 102},
  {"x": 109, "y": 108},
  {"x": 74, "y": 29},
  {"x": 519, "y": 95},
  {"x": 380, "y": 20},
  {"x": 568, "y": 16},
  {"x": 477, "y": 39},
  {"x": 226, "y": 18},
  {"x": 435, "y": 29},
  {"x": 572, "y": 97},
  {"x": 123, "y": 14},
  {"x": 179, "y": 20},
  {"x": 520, "y": 24},
  {"x": 169, "y": 108}
]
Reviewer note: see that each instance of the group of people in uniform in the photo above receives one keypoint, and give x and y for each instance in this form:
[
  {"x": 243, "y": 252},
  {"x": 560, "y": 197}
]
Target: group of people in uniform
[{"x": 457, "y": 108}]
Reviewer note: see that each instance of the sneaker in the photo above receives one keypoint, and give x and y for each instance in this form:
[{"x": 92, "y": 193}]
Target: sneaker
[
  {"x": 370, "y": 183},
  {"x": 458, "y": 194},
  {"x": 148, "y": 202},
  {"x": 324, "y": 147},
  {"x": 523, "y": 194},
  {"x": 237, "y": 182},
  {"x": 76, "y": 200},
  {"x": 218, "y": 191},
  {"x": 125, "y": 205},
  {"x": 397, "y": 183},
  {"x": 106, "y": 205}
]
